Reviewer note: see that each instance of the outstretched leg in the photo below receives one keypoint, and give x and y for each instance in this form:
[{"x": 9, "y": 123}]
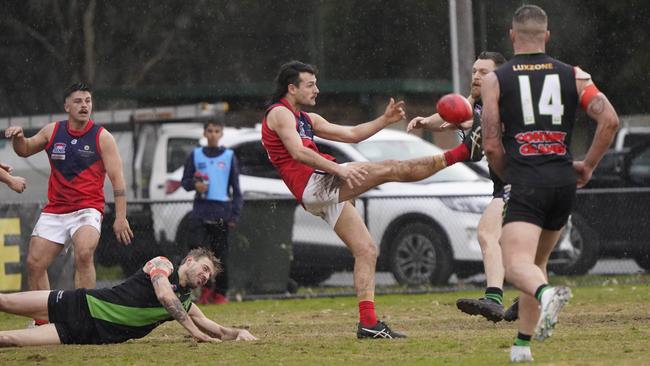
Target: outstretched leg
[
  {"x": 39, "y": 336},
  {"x": 411, "y": 170},
  {"x": 29, "y": 303}
]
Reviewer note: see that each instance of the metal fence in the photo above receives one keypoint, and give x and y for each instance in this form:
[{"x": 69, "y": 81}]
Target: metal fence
[{"x": 277, "y": 247}]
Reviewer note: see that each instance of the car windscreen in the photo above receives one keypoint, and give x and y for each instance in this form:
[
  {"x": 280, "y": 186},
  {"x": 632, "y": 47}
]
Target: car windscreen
[{"x": 378, "y": 150}]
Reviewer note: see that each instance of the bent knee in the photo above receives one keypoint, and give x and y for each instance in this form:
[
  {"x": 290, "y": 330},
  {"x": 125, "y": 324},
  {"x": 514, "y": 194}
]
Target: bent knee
[
  {"x": 367, "y": 251},
  {"x": 83, "y": 259}
]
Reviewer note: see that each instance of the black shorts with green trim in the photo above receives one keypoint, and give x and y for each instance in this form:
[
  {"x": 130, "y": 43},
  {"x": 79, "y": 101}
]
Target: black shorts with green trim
[{"x": 68, "y": 311}]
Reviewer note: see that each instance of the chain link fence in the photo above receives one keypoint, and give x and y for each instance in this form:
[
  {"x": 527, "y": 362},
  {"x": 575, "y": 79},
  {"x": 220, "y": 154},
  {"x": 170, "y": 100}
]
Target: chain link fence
[{"x": 277, "y": 248}]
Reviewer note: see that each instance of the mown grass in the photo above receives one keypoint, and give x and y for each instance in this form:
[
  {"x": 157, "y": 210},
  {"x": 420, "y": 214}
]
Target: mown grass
[{"x": 606, "y": 323}]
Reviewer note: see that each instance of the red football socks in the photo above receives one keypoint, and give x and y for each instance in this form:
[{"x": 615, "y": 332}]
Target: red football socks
[
  {"x": 367, "y": 316},
  {"x": 457, "y": 154}
]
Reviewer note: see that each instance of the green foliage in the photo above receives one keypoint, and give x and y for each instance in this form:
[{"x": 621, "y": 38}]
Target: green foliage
[{"x": 185, "y": 45}]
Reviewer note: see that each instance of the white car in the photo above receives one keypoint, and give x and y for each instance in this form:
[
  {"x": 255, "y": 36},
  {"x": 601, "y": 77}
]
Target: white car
[{"x": 425, "y": 231}]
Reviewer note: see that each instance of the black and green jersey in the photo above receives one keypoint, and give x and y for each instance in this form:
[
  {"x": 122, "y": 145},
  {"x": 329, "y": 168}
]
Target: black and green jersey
[
  {"x": 131, "y": 309},
  {"x": 537, "y": 105}
]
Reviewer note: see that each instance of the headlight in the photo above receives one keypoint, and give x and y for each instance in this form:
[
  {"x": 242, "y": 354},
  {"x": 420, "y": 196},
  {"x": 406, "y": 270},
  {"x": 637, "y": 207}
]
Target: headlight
[{"x": 473, "y": 204}]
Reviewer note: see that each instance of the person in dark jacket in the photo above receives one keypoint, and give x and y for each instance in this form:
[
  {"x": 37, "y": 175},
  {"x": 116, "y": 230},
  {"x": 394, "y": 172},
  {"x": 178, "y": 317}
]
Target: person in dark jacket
[{"x": 213, "y": 172}]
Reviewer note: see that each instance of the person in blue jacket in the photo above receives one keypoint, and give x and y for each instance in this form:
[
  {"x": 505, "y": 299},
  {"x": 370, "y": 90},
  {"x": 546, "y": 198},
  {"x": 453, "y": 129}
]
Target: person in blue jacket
[{"x": 213, "y": 172}]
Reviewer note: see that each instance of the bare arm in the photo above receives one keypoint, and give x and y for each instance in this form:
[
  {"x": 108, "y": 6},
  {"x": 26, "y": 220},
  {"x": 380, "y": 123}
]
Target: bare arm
[
  {"x": 491, "y": 124},
  {"x": 601, "y": 111},
  {"x": 158, "y": 270},
  {"x": 435, "y": 123},
  {"x": 113, "y": 165},
  {"x": 218, "y": 331},
  {"x": 394, "y": 113},
  {"x": 24, "y": 146}
]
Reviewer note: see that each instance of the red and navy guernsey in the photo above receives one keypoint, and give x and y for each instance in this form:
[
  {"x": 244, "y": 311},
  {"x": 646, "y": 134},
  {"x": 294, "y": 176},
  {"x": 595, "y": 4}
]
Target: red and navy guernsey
[{"x": 77, "y": 170}]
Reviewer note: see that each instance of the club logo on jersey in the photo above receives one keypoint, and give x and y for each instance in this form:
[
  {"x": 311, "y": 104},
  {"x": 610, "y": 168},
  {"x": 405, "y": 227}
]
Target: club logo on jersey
[
  {"x": 58, "y": 151},
  {"x": 541, "y": 143},
  {"x": 73, "y": 142},
  {"x": 59, "y": 148},
  {"x": 221, "y": 165}
]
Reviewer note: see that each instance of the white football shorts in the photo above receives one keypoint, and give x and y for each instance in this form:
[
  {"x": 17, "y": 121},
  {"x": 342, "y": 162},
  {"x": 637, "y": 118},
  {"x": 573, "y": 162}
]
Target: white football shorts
[
  {"x": 321, "y": 197},
  {"x": 59, "y": 228}
]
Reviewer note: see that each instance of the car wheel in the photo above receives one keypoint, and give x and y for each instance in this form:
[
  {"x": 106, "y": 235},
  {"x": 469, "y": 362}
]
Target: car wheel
[
  {"x": 419, "y": 255},
  {"x": 583, "y": 254},
  {"x": 310, "y": 276}
]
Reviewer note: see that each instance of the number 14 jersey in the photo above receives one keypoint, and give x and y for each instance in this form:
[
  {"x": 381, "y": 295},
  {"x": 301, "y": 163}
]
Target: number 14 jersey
[{"x": 537, "y": 104}]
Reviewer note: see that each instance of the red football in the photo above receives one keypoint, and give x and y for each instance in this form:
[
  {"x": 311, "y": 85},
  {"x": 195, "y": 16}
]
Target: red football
[{"x": 454, "y": 108}]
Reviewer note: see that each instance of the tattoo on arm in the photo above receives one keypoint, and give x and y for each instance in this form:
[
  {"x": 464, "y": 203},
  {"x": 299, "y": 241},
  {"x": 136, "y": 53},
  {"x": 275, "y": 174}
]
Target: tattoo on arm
[
  {"x": 597, "y": 105},
  {"x": 175, "y": 309},
  {"x": 119, "y": 193},
  {"x": 492, "y": 130},
  {"x": 172, "y": 305}
]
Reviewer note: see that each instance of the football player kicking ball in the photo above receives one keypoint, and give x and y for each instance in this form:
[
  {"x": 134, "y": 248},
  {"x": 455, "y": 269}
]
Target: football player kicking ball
[
  {"x": 327, "y": 189},
  {"x": 153, "y": 295}
]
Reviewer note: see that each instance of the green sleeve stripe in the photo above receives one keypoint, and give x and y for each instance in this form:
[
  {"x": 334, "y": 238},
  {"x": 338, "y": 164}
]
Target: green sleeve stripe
[{"x": 128, "y": 315}]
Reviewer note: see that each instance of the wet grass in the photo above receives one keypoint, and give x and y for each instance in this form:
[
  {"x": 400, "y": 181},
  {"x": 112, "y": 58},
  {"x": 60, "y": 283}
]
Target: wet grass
[{"x": 607, "y": 322}]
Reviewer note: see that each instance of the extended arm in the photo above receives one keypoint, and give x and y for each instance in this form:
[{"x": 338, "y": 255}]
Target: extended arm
[
  {"x": 158, "y": 270},
  {"x": 600, "y": 110},
  {"x": 218, "y": 331},
  {"x": 394, "y": 113},
  {"x": 491, "y": 124},
  {"x": 435, "y": 123},
  {"x": 113, "y": 165},
  {"x": 24, "y": 146}
]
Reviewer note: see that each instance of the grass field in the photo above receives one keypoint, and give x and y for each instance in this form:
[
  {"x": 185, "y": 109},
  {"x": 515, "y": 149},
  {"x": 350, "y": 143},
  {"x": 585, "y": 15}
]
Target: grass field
[{"x": 606, "y": 323}]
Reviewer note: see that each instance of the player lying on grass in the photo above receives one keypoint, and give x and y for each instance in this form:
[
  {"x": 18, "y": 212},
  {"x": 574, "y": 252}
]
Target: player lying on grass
[{"x": 153, "y": 295}]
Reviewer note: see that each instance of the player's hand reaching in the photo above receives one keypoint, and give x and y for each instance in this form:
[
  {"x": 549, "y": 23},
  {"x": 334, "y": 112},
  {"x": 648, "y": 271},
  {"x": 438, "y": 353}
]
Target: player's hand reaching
[
  {"x": 352, "y": 174},
  {"x": 18, "y": 184},
  {"x": 8, "y": 168},
  {"x": 122, "y": 231},
  {"x": 395, "y": 111},
  {"x": 202, "y": 337},
  {"x": 244, "y": 335},
  {"x": 583, "y": 173},
  {"x": 417, "y": 123},
  {"x": 14, "y": 131},
  {"x": 461, "y": 126}
]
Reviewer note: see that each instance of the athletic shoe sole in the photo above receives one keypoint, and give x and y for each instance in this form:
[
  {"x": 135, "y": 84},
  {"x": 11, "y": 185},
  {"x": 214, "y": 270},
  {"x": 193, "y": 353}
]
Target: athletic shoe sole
[
  {"x": 549, "y": 314},
  {"x": 474, "y": 307}
]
